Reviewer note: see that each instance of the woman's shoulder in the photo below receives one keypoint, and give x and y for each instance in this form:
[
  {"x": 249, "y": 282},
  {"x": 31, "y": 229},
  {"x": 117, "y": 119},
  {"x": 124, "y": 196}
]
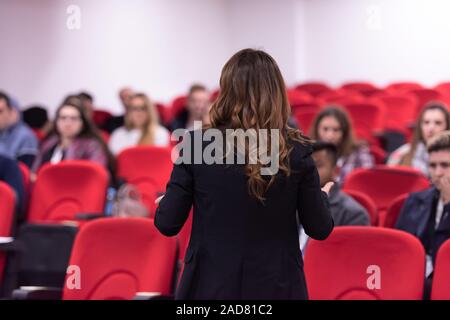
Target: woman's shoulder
[
  {"x": 397, "y": 155},
  {"x": 301, "y": 151}
]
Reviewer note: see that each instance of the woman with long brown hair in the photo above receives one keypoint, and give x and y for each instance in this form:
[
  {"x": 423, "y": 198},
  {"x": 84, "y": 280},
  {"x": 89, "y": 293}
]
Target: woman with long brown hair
[
  {"x": 141, "y": 127},
  {"x": 73, "y": 137},
  {"x": 245, "y": 242},
  {"x": 333, "y": 125},
  {"x": 433, "y": 119}
]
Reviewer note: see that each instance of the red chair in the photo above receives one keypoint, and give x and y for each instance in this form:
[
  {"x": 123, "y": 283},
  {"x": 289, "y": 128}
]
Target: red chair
[
  {"x": 7, "y": 209},
  {"x": 402, "y": 87},
  {"x": 178, "y": 105},
  {"x": 400, "y": 111},
  {"x": 67, "y": 188},
  {"x": 364, "y": 88},
  {"x": 99, "y": 117},
  {"x": 440, "y": 289},
  {"x": 305, "y": 118},
  {"x": 346, "y": 265},
  {"x": 214, "y": 95},
  {"x": 368, "y": 204},
  {"x": 119, "y": 257},
  {"x": 313, "y": 88},
  {"x": 393, "y": 211},
  {"x": 25, "y": 179},
  {"x": 383, "y": 184},
  {"x": 148, "y": 168},
  {"x": 341, "y": 97},
  {"x": 424, "y": 96},
  {"x": 444, "y": 89},
  {"x": 297, "y": 98},
  {"x": 367, "y": 118},
  {"x": 164, "y": 113}
]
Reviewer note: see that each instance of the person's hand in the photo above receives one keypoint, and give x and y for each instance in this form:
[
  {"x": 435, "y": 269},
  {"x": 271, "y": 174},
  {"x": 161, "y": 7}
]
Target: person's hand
[
  {"x": 326, "y": 188},
  {"x": 445, "y": 189},
  {"x": 157, "y": 201}
]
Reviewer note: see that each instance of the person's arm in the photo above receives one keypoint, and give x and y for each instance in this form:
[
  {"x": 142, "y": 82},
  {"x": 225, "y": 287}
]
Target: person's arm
[
  {"x": 313, "y": 206},
  {"x": 174, "y": 207}
]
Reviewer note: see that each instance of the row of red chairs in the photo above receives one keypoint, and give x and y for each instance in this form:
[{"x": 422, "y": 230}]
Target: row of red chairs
[
  {"x": 382, "y": 190},
  {"x": 366, "y": 263}
]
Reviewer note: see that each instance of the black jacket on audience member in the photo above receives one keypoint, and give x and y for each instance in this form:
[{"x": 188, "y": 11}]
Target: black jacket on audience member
[
  {"x": 418, "y": 218},
  {"x": 239, "y": 247}
]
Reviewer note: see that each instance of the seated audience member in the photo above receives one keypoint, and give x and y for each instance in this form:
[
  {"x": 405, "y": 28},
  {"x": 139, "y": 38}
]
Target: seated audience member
[
  {"x": 198, "y": 104},
  {"x": 141, "y": 127},
  {"x": 433, "y": 119},
  {"x": 17, "y": 141},
  {"x": 344, "y": 209},
  {"x": 425, "y": 214},
  {"x": 73, "y": 138},
  {"x": 113, "y": 123},
  {"x": 333, "y": 125},
  {"x": 10, "y": 174}
]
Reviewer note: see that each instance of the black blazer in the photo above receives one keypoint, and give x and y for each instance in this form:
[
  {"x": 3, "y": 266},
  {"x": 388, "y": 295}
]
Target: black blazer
[{"x": 239, "y": 247}]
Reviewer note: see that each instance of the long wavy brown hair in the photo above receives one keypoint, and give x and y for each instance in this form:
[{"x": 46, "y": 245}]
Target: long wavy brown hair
[{"x": 253, "y": 96}]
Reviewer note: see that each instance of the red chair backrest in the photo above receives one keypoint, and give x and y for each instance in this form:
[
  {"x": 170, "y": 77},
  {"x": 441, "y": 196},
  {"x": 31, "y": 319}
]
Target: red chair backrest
[
  {"x": 401, "y": 87},
  {"x": 393, "y": 211},
  {"x": 145, "y": 166},
  {"x": 305, "y": 119},
  {"x": 383, "y": 183},
  {"x": 178, "y": 105},
  {"x": 341, "y": 96},
  {"x": 297, "y": 98},
  {"x": 25, "y": 179},
  {"x": 400, "y": 110},
  {"x": 99, "y": 117},
  {"x": 424, "y": 96},
  {"x": 440, "y": 289},
  {"x": 344, "y": 266},
  {"x": 62, "y": 190},
  {"x": 367, "y": 117},
  {"x": 313, "y": 88},
  {"x": 365, "y": 88},
  {"x": 7, "y": 209},
  {"x": 119, "y": 257},
  {"x": 164, "y": 113},
  {"x": 367, "y": 203}
]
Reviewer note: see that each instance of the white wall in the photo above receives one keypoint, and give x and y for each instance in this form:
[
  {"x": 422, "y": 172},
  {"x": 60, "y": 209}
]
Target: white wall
[
  {"x": 162, "y": 46},
  {"x": 377, "y": 40},
  {"x": 158, "y": 46}
]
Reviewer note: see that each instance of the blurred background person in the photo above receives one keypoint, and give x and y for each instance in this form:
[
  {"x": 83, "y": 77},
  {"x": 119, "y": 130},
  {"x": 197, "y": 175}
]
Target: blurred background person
[
  {"x": 73, "y": 137},
  {"x": 141, "y": 126},
  {"x": 433, "y": 119},
  {"x": 198, "y": 104},
  {"x": 333, "y": 125},
  {"x": 115, "y": 122},
  {"x": 17, "y": 140}
]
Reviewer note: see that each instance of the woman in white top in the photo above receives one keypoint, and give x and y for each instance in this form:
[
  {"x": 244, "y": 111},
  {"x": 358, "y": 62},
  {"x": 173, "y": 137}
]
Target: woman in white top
[
  {"x": 141, "y": 127},
  {"x": 433, "y": 119}
]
